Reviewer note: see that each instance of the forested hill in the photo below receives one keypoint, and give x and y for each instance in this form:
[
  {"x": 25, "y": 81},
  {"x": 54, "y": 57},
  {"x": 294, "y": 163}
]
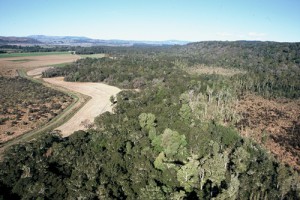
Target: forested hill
[
  {"x": 18, "y": 41},
  {"x": 273, "y": 64},
  {"x": 246, "y": 54},
  {"x": 269, "y": 65},
  {"x": 240, "y": 54},
  {"x": 178, "y": 137}
]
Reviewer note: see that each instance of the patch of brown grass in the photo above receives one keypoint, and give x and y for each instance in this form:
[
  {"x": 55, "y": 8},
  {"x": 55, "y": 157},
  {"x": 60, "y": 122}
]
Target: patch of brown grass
[
  {"x": 273, "y": 123},
  {"x": 203, "y": 69}
]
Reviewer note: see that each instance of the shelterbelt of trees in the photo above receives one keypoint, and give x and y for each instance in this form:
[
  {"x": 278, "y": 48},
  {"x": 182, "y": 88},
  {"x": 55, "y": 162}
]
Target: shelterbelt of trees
[
  {"x": 28, "y": 49},
  {"x": 174, "y": 138}
]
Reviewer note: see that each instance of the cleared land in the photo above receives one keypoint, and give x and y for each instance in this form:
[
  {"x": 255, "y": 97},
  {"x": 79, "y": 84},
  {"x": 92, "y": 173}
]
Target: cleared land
[
  {"x": 99, "y": 94},
  {"x": 9, "y": 65},
  {"x": 36, "y": 73},
  {"x": 99, "y": 103},
  {"x": 273, "y": 123},
  {"x": 25, "y": 105},
  {"x": 203, "y": 69}
]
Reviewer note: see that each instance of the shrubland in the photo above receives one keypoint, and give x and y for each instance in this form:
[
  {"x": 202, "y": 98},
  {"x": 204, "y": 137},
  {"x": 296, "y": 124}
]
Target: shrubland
[{"x": 25, "y": 105}]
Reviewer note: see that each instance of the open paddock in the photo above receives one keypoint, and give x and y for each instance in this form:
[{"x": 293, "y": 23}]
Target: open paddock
[{"x": 9, "y": 65}]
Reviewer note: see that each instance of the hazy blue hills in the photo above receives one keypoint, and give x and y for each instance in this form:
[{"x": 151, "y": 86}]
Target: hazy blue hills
[
  {"x": 18, "y": 41},
  {"x": 79, "y": 41}
]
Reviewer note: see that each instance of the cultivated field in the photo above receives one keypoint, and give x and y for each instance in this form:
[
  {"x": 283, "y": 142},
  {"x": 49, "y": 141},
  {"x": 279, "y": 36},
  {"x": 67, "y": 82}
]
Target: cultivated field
[{"x": 9, "y": 65}]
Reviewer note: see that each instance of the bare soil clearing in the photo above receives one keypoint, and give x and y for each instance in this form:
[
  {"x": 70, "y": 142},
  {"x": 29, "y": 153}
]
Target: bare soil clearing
[
  {"x": 8, "y": 66},
  {"x": 99, "y": 93},
  {"x": 99, "y": 103},
  {"x": 36, "y": 73},
  {"x": 273, "y": 123}
]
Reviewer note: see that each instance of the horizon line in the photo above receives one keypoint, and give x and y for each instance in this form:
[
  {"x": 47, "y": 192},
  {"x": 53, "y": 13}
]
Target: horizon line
[{"x": 151, "y": 40}]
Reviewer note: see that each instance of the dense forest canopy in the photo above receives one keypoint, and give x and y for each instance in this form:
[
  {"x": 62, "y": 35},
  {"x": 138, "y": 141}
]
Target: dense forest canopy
[
  {"x": 177, "y": 137},
  {"x": 272, "y": 68}
]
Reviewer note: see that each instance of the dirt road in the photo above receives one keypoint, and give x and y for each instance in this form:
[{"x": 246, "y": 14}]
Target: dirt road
[
  {"x": 99, "y": 102},
  {"x": 37, "y": 73}
]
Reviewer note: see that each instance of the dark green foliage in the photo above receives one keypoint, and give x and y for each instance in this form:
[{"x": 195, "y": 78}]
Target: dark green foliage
[
  {"x": 36, "y": 48},
  {"x": 3, "y": 120},
  {"x": 269, "y": 65},
  {"x": 127, "y": 72},
  {"x": 156, "y": 144},
  {"x": 26, "y": 49}
]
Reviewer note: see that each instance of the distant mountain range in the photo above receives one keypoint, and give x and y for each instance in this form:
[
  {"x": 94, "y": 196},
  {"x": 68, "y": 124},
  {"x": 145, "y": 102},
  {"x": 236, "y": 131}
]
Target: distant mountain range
[
  {"x": 18, "y": 41},
  {"x": 79, "y": 41}
]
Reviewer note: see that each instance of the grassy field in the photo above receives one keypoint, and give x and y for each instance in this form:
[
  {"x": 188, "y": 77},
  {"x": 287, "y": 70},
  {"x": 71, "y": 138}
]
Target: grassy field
[
  {"x": 99, "y": 55},
  {"x": 10, "y": 55}
]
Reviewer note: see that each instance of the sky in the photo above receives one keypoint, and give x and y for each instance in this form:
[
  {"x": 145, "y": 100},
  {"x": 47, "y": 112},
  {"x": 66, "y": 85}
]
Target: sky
[{"x": 189, "y": 20}]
